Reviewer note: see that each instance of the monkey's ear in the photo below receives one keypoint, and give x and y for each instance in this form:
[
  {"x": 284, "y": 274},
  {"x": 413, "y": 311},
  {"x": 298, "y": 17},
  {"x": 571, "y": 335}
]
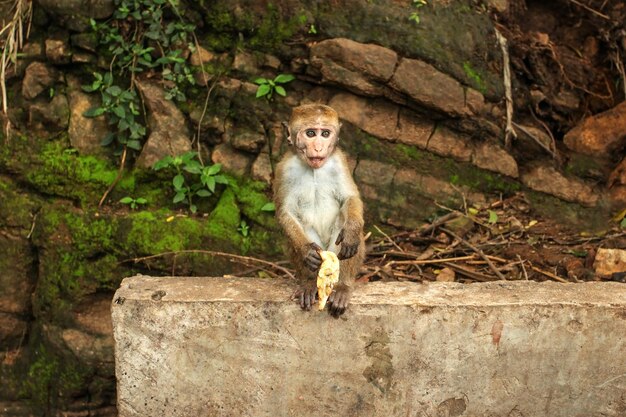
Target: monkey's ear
[{"x": 286, "y": 132}]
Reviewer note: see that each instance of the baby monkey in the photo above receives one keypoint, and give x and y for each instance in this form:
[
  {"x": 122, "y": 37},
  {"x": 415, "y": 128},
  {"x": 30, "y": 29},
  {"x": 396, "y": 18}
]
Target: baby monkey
[{"x": 318, "y": 204}]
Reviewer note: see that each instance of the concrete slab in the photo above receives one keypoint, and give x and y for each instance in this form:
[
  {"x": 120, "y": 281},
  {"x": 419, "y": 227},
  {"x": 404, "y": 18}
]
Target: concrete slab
[{"x": 241, "y": 347}]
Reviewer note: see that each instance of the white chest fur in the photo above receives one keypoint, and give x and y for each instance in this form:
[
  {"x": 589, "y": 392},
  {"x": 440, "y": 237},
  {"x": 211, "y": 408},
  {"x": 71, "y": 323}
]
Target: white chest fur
[{"x": 316, "y": 199}]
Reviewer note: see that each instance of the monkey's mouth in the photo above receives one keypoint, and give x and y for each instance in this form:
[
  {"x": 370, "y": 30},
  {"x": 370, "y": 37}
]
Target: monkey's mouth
[{"x": 316, "y": 161}]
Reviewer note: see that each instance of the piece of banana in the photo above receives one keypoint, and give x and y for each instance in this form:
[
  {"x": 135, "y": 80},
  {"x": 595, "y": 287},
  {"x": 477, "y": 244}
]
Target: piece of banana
[{"x": 327, "y": 276}]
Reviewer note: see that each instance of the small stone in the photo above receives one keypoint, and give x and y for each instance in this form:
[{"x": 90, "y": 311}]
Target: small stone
[
  {"x": 50, "y": 117},
  {"x": 38, "y": 78},
  {"x": 85, "y": 133},
  {"x": 58, "y": 51},
  {"x": 493, "y": 157},
  {"x": 201, "y": 56},
  {"x": 446, "y": 275},
  {"x": 601, "y": 134},
  {"x": 262, "y": 168},
  {"x": 232, "y": 161},
  {"x": 609, "y": 261},
  {"x": 247, "y": 140}
]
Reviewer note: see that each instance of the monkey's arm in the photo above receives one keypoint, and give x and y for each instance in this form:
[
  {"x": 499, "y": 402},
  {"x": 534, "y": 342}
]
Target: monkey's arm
[
  {"x": 352, "y": 210},
  {"x": 299, "y": 240}
]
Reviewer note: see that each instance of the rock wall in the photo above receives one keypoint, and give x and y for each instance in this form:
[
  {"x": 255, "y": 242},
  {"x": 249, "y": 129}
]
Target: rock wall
[{"x": 423, "y": 117}]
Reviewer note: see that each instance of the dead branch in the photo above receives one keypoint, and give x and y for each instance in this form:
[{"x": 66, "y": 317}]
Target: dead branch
[
  {"x": 509, "y": 131},
  {"x": 117, "y": 179},
  {"x": 236, "y": 258},
  {"x": 478, "y": 251}
]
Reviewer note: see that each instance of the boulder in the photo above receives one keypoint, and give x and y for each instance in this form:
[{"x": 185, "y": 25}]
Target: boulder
[
  {"x": 547, "y": 179},
  {"x": 435, "y": 90},
  {"x": 169, "y": 134},
  {"x": 85, "y": 133},
  {"x": 377, "y": 117},
  {"x": 371, "y": 60},
  {"x": 601, "y": 134},
  {"x": 446, "y": 142}
]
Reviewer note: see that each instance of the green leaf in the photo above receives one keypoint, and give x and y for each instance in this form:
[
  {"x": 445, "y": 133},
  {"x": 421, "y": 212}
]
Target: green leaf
[
  {"x": 134, "y": 144},
  {"x": 193, "y": 208},
  {"x": 141, "y": 200},
  {"x": 119, "y": 112},
  {"x": 269, "y": 207},
  {"x": 114, "y": 90},
  {"x": 126, "y": 200},
  {"x": 493, "y": 217},
  {"x": 203, "y": 193},
  {"x": 108, "y": 139},
  {"x": 214, "y": 169},
  {"x": 210, "y": 183},
  {"x": 163, "y": 163},
  {"x": 178, "y": 181},
  {"x": 280, "y": 91},
  {"x": 284, "y": 78},
  {"x": 180, "y": 196},
  {"x": 260, "y": 81},
  {"x": 220, "y": 179},
  {"x": 263, "y": 90},
  {"x": 94, "y": 112},
  {"x": 622, "y": 224}
]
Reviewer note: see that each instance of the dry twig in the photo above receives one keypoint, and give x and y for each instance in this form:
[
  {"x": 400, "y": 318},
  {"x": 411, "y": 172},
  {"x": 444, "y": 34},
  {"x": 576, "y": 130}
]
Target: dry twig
[
  {"x": 245, "y": 260},
  {"x": 509, "y": 131}
]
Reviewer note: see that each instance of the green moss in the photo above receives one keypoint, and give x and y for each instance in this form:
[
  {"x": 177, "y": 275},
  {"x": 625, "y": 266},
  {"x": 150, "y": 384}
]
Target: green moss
[
  {"x": 252, "y": 196},
  {"x": 473, "y": 75},
  {"x": 258, "y": 29},
  {"x": 158, "y": 232},
  {"x": 75, "y": 259},
  {"x": 59, "y": 171},
  {"x": 17, "y": 209},
  {"x": 52, "y": 381},
  {"x": 225, "y": 218}
]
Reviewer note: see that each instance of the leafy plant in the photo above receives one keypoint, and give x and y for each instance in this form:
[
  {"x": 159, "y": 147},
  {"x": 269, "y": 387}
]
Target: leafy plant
[
  {"x": 192, "y": 178},
  {"x": 267, "y": 87},
  {"x": 414, "y": 16},
  {"x": 121, "y": 107},
  {"x": 140, "y": 39},
  {"x": 134, "y": 203},
  {"x": 312, "y": 30},
  {"x": 243, "y": 228}
]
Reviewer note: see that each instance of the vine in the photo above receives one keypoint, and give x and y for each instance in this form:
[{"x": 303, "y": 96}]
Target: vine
[{"x": 143, "y": 38}]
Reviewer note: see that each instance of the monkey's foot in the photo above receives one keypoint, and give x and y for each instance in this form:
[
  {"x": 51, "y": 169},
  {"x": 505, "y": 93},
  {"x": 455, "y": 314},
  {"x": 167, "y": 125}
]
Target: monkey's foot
[
  {"x": 308, "y": 296},
  {"x": 338, "y": 301}
]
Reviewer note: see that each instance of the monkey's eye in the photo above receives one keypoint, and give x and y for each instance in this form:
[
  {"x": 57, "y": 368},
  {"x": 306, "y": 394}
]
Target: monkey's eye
[
  {"x": 325, "y": 133},
  {"x": 310, "y": 133}
]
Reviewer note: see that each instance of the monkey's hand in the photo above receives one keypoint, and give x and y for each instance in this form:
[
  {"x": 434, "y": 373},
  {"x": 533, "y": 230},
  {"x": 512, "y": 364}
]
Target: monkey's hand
[
  {"x": 339, "y": 300},
  {"x": 312, "y": 257},
  {"x": 349, "y": 240}
]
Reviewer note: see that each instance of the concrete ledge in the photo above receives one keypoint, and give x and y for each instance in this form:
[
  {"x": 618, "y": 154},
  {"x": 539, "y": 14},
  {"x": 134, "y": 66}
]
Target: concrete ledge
[{"x": 241, "y": 347}]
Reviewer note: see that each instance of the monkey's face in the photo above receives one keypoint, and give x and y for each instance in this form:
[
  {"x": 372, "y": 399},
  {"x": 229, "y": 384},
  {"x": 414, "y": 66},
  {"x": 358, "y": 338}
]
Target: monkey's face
[{"x": 315, "y": 143}]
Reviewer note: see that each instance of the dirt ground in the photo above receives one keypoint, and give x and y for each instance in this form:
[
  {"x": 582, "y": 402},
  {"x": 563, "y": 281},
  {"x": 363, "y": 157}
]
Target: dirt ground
[{"x": 505, "y": 241}]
